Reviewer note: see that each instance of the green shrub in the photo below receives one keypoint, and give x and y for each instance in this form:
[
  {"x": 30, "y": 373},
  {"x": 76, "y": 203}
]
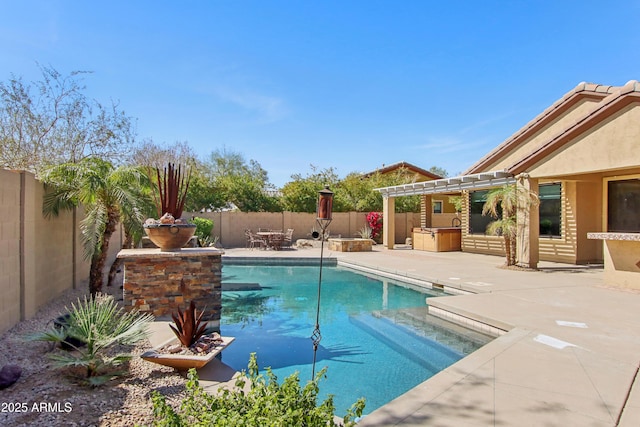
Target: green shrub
[
  {"x": 267, "y": 403},
  {"x": 204, "y": 227}
]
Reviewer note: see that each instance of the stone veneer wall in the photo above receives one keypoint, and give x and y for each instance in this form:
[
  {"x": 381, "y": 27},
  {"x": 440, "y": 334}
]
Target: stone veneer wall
[
  {"x": 350, "y": 245},
  {"x": 160, "y": 282}
]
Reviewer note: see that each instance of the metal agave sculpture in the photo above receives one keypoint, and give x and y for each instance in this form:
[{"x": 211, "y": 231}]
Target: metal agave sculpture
[
  {"x": 189, "y": 327},
  {"x": 173, "y": 185}
]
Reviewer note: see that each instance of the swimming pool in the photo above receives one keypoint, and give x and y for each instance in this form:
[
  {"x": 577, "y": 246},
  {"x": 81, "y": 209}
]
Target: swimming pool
[{"x": 376, "y": 342}]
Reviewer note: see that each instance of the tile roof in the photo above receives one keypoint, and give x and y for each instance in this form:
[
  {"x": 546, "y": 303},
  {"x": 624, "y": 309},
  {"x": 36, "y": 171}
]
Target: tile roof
[
  {"x": 581, "y": 92},
  {"x": 386, "y": 169},
  {"x": 618, "y": 98}
]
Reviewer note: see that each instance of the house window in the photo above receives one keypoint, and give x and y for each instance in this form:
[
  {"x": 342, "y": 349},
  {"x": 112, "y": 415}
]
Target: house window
[
  {"x": 437, "y": 206},
  {"x": 623, "y": 206},
  {"x": 478, "y": 222},
  {"x": 550, "y": 209}
]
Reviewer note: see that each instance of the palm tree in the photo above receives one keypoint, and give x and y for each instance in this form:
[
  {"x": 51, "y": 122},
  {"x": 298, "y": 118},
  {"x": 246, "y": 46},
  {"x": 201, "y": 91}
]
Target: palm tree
[
  {"x": 99, "y": 325},
  {"x": 502, "y": 203},
  {"x": 107, "y": 194}
]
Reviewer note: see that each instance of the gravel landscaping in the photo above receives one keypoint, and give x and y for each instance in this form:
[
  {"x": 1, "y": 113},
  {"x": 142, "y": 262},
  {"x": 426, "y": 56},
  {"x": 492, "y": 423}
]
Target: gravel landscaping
[{"x": 45, "y": 396}]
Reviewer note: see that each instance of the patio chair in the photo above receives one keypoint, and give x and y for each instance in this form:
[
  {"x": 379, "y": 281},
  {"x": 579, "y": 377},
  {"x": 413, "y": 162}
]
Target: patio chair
[
  {"x": 276, "y": 240},
  {"x": 288, "y": 237},
  {"x": 247, "y": 236},
  {"x": 253, "y": 240}
]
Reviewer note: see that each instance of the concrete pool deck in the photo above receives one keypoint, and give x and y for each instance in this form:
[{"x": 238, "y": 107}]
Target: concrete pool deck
[{"x": 570, "y": 356}]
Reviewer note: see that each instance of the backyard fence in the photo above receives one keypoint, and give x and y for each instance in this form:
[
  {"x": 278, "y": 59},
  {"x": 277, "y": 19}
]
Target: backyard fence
[
  {"x": 229, "y": 226},
  {"x": 39, "y": 258},
  {"x": 42, "y": 258}
]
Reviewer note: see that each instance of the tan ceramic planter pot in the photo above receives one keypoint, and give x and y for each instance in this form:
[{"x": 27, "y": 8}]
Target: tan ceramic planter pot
[
  {"x": 184, "y": 361},
  {"x": 170, "y": 237}
]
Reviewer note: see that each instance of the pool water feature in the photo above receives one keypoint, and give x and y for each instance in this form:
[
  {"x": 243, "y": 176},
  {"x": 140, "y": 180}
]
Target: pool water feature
[{"x": 376, "y": 341}]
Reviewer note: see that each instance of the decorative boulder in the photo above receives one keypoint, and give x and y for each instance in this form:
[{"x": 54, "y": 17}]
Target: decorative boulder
[{"x": 9, "y": 374}]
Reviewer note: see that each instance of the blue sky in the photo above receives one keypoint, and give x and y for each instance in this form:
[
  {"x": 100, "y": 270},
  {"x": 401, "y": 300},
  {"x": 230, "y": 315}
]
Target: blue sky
[{"x": 344, "y": 84}]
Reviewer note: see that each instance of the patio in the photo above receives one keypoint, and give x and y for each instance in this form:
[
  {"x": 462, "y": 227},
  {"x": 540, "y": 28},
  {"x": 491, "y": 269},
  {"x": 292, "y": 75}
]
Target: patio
[{"x": 570, "y": 356}]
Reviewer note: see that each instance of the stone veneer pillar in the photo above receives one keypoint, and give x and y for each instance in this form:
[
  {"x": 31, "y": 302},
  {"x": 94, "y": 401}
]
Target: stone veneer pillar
[{"x": 159, "y": 282}]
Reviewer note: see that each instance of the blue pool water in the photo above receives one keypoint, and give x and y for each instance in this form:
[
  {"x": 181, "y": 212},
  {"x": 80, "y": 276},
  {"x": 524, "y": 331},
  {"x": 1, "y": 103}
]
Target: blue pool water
[{"x": 371, "y": 343}]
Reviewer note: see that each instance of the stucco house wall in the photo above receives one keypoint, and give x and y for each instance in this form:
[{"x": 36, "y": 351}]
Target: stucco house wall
[
  {"x": 588, "y": 136},
  {"x": 536, "y": 139}
]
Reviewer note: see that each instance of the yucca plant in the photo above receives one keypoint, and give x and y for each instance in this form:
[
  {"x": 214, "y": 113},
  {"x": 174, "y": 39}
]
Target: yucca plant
[
  {"x": 98, "y": 322},
  {"x": 365, "y": 232},
  {"x": 189, "y": 327}
]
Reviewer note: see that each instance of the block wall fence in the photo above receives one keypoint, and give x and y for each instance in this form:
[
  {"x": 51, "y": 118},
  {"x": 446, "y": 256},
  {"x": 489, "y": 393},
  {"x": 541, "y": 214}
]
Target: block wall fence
[
  {"x": 42, "y": 258},
  {"x": 39, "y": 258},
  {"x": 230, "y": 226}
]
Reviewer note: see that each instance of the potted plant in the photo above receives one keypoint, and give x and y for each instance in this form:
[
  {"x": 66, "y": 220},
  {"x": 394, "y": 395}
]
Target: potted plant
[
  {"x": 170, "y": 232},
  {"x": 192, "y": 346}
]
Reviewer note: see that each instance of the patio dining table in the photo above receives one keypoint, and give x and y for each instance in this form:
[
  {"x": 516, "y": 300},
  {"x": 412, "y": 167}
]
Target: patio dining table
[{"x": 273, "y": 238}]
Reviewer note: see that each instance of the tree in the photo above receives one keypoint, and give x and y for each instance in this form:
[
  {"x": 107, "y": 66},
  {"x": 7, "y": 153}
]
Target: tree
[
  {"x": 301, "y": 194},
  {"x": 397, "y": 177},
  {"x": 246, "y": 185},
  {"x": 52, "y": 121},
  {"x": 356, "y": 193},
  {"x": 149, "y": 153},
  {"x": 107, "y": 195},
  {"x": 353, "y": 193},
  {"x": 439, "y": 171},
  {"x": 502, "y": 203},
  {"x": 202, "y": 193},
  {"x": 361, "y": 197}
]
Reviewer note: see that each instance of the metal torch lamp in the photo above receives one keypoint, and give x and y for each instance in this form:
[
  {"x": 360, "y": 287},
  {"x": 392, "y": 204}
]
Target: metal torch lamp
[{"x": 324, "y": 210}]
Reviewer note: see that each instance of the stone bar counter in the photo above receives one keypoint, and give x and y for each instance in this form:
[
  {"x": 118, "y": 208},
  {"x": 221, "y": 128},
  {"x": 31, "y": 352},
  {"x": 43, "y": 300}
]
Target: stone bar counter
[
  {"x": 621, "y": 258},
  {"x": 160, "y": 282}
]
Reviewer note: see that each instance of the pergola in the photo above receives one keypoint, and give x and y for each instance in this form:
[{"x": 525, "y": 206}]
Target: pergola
[
  {"x": 527, "y": 235},
  {"x": 449, "y": 185}
]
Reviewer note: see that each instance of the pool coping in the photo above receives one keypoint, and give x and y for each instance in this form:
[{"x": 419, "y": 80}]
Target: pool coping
[{"x": 285, "y": 261}]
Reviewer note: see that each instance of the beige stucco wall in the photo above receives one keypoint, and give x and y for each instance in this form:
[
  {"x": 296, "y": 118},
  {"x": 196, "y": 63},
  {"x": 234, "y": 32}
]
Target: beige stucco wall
[
  {"x": 52, "y": 244},
  {"x": 608, "y": 149},
  {"x": 42, "y": 267},
  {"x": 621, "y": 263},
  {"x": 581, "y": 213},
  {"x": 9, "y": 249},
  {"x": 612, "y": 145},
  {"x": 589, "y": 219},
  {"x": 444, "y": 220},
  {"x": 230, "y": 226},
  {"x": 543, "y": 135}
]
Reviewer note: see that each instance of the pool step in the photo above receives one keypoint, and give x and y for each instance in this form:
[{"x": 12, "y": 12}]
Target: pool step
[
  {"x": 425, "y": 351},
  {"x": 231, "y": 286},
  {"x": 424, "y": 324}
]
